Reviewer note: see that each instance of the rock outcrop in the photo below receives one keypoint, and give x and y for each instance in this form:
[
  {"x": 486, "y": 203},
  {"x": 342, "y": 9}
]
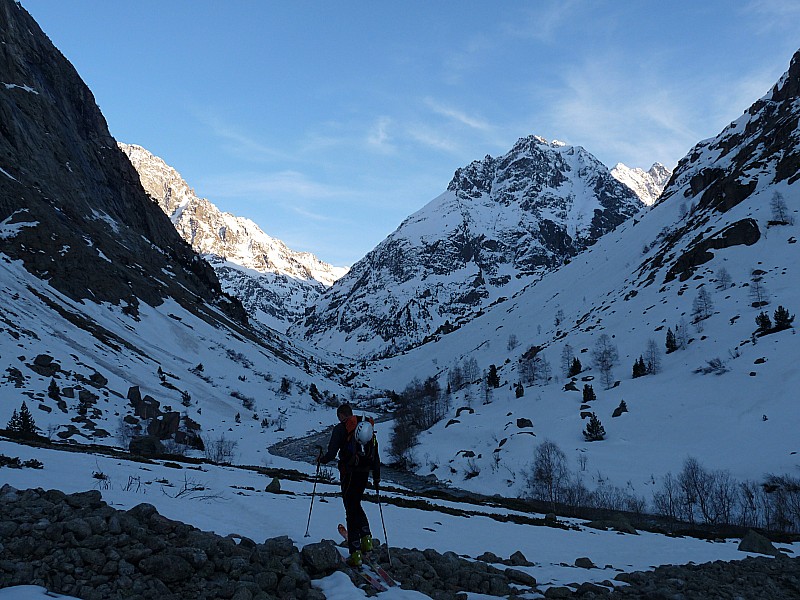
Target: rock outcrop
[
  {"x": 71, "y": 206},
  {"x": 275, "y": 283}
]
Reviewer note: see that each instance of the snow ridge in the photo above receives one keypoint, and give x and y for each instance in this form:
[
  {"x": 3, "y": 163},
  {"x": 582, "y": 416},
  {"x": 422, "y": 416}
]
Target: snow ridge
[
  {"x": 648, "y": 185},
  {"x": 282, "y": 282}
]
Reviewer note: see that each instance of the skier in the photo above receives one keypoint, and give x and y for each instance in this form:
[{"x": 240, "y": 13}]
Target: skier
[{"x": 353, "y": 438}]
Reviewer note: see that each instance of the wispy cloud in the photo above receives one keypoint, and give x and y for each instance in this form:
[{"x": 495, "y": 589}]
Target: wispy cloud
[
  {"x": 458, "y": 63},
  {"x": 315, "y": 215},
  {"x": 774, "y": 15},
  {"x": 597, "y": 106},
  {"x": 236, "y": 142},
  {"x": 544, "y": 21},
  {"x": 457, "y": 115},
  {"x": 378, "y": 137},
  {"x": 276, "y": 185},
  {"x": 433, "y": 138}
]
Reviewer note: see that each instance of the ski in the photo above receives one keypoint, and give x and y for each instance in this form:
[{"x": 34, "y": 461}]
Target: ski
[
  {"x": 382, "y": 572},
  {"x": 373, "y": 565},
  {"x": 373, "y": 581}
]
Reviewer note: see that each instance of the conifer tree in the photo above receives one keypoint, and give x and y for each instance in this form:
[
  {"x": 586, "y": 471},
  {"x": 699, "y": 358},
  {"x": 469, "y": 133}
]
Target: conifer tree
[
  {"x": 764, "y": 322},
  {"x": 26, "y": 423},
  {"x": 672, "y": 343},
  {"x": 639, "y": 368},
  {"x": 53, "y": 391},
  {"x": 594, "y": 431},
  {"x": 520, "y": 390},
  {"x": 782, "y": 319},
  {"x": 588, "y": 393},
  {"x": 575, "y": 368},
  {"x": 13, "y": 422},
  {"x": 493, "y": 379}
]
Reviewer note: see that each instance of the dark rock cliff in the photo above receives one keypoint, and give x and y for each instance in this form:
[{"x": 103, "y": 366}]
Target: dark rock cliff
[{"x": 71, "y": 205}]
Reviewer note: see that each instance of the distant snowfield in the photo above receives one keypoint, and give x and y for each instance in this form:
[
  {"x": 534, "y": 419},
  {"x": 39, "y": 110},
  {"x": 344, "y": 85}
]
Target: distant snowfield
[{"x": 260, "y": 515}]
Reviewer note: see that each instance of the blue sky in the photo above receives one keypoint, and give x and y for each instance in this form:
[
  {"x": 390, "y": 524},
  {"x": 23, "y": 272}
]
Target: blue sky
[{"x": 327, "y": 123}]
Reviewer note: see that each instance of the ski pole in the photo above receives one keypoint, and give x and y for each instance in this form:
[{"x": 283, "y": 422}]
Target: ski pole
[
  {"x": 385, "y": 537},
  {"x": 313, "y": 492}
]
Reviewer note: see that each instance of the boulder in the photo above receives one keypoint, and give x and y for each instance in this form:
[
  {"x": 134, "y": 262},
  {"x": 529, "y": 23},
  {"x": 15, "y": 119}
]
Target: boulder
[
  {"x": 98, "y": 380},
  {"x": 274, "y": 486},
  {"x": 320, "y": 559},
  {"x": 523, "y": 423},
  {"x": 520, "y": 577},
  {"x": 558, "y": 592},
  {"x": 146, "y": 445},
  {"x": 758, "y": 544},
  {"x": 617, "y": 522},
  {"x": 518, "y": 560},
  {"x": 166, "y": 426},
  {"x": 489, "y": 557},
  {"x": 44, "y": 365}
]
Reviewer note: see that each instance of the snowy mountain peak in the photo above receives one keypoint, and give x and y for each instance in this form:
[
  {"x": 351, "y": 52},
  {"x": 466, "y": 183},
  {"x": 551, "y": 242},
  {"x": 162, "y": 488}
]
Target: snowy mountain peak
[
  {"x": 211, "y": 231},
  {"x": 648, "y": 185},
  {"x": 276, "y": 284},
  {"x": 501, "y": 221}
]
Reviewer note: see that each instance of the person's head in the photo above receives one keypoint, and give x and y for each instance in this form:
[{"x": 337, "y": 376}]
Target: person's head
[{"x": 344, "y": 412}]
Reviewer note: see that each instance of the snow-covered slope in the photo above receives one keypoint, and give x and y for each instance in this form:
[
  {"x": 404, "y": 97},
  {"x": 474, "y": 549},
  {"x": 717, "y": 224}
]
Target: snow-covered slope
[
  {"x": 634, "y": 285},
  {"x": 101, "y": 302},
  {"x": 275, "y": 284},
  {"x": 648, "y": 185},
  {"x": 501, "y": 222},
  {"x": 76, "y": 363}
]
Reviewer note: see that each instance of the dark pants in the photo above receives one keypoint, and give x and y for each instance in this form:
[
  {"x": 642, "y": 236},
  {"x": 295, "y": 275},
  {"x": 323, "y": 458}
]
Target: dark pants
[{"x": 353, "y": 486}]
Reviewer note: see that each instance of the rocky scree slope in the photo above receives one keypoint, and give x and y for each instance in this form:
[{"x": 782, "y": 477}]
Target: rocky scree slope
[
  {"x": 71, "y": 206},
  {"x": 76, "y": 544},
  {"x": 275, "y": 284},
  {"x": 501, "y": 222}
]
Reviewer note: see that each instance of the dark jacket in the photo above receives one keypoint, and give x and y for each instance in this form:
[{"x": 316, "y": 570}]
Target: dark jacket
[{"x": 337, "y": 445}]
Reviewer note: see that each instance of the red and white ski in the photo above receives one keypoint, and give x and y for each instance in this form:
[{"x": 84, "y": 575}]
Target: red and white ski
[
  {"x": 373, "y": 581},
  {"x": 375, "y": 566}
]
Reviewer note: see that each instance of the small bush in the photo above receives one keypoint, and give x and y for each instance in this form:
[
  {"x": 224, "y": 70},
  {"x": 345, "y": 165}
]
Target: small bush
[{"x": 716, "y": 366}]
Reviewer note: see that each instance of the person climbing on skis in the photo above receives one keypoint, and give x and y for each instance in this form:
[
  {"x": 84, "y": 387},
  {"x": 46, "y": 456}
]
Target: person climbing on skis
[{"x": 353, "y": 439}]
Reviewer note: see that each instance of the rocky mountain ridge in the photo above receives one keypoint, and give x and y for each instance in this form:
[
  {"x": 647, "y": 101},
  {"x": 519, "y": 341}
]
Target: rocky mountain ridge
[
  {"x": 71, "y": 207},
  {"x": 648, "y": 185},
  {"x": 275, "y": 284},
  {"x": 501, "y": 223}
]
